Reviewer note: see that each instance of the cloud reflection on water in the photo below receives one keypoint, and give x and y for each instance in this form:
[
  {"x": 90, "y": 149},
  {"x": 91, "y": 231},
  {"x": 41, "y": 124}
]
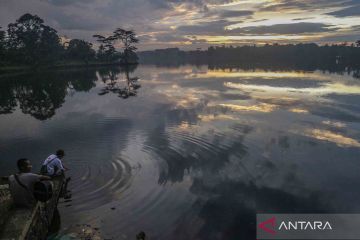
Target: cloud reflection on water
[{"x": 198, "y": 152}]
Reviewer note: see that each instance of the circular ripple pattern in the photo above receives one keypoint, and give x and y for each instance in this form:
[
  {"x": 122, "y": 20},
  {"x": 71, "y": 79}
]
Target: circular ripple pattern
[
  {"x": 138, "y": 184},
  {"x": 98, "y": 185}
]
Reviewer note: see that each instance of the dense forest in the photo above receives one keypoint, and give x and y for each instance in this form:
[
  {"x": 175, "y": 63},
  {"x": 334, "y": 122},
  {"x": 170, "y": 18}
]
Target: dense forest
[
  {"x": 305, "y": 56},
  {"x": 29, "y": 42}
]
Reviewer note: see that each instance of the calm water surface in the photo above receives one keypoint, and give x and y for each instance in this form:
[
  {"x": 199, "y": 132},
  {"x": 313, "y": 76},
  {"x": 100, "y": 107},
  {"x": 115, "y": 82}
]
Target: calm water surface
[{"x": 196, "y": 153}]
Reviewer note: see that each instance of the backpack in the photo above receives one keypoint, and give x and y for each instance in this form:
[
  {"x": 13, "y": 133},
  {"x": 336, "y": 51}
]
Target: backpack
[
  {"x": 43, "y": 190},
  {"x": 44, "y": 170}
]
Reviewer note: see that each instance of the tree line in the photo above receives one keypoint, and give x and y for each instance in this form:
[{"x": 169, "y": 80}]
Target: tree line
[
  {"x": 305, "y": 56},
  {"x": 29, "y": 41}
]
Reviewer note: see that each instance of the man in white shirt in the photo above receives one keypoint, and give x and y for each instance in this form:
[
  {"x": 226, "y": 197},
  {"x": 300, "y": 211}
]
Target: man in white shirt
[
  {"x": 54, "y": 165},
  {"x": 22, "y": 184}
]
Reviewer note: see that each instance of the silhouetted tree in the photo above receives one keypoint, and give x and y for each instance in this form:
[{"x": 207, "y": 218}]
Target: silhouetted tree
[
  {"x": 308, "y": 56},
  {"x": 129, "y": 41},
  {"x": 80, "y": 50},
  {"x": 107, "y": 51},
  {"x": 32, "y": 42},
  {"x": 2, "y": 46},
  {"x": 29, "y": 41},
  {"x": 358, "y": 43}
]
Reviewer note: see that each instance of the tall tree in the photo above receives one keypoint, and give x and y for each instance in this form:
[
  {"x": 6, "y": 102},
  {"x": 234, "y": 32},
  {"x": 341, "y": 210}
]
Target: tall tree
[
  {"x": 32, "y": 41},
  {"x": 107, "y": 51},
  {"x": 129, "y": 41},
  {"x": 2, "y": 46},
  {"x": 80, "y": 50}
]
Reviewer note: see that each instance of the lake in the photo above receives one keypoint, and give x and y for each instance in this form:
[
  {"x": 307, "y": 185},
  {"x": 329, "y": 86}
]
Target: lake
[{"x": 187, "y": 152}]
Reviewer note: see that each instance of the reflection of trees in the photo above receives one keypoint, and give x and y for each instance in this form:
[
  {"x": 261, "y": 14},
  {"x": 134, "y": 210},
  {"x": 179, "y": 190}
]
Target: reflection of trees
[
  {"x": 40, "y": 94},
  {"x": 7, "y": 98},
  {"x": 82, "y": 81},
  {"x": 115, "y": 85},
  {"x": 38, "y": 104},
  {"x": 356, "y": 73}
]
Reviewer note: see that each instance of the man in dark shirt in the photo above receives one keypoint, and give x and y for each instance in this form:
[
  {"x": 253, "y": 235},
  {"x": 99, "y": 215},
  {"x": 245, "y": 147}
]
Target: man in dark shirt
[{"x": 22, "y": 184}]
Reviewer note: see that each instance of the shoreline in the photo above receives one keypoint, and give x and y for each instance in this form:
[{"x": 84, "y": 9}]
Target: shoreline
[{"x": 24, "y": 68}]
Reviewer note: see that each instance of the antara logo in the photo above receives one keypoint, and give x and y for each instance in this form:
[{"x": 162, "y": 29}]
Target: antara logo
[
  {"x": 305, "y": 225},
  {"x": 271, "y": 222},
  {"x": 269, "y": 225}
]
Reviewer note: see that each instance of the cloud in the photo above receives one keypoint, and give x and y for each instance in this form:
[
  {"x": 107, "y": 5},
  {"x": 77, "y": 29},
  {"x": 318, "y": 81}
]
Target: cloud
[
  {"x": 78, "y": 22},
  {"x": 302, "y": 19},
  {"x": 68, "y": 2},
  {"x": 283, "y": 5},
  {"x": 292, "y": 28},
  {"x": 169, "y": 22},
  {"x": 203, "y": 2},
  {"x": 218, "y": 28},
  {"x": 209, "y": 28},
  {"x": 344, "y": 37},
  {"x": 347, "y": 12},
  {"x": 170, "y": 37},
  {"x": 229, "y": 14}
]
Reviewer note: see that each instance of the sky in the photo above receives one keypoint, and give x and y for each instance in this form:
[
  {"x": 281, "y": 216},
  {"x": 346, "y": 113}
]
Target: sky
[{"x": 192, "y": 24}]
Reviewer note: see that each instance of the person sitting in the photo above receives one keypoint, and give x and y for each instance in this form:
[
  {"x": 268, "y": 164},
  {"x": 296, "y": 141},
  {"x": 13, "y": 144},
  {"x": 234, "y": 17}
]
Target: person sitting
[
  {"x": 53, "y": 165},
  {"x": 22, "y": 184}
]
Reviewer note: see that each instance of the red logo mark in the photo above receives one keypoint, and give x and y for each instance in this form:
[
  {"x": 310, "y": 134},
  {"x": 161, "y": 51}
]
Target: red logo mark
[{"x": 263, "y": 226}]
